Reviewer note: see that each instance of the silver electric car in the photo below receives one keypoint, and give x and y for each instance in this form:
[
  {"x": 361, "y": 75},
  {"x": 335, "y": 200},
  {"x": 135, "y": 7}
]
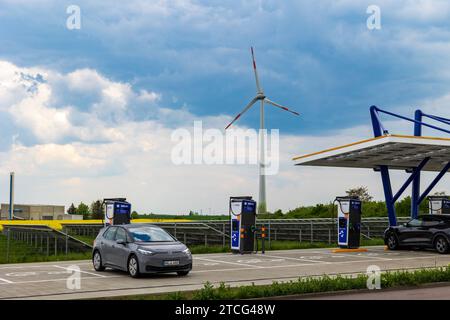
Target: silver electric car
[{"x": 140, "y": 248}]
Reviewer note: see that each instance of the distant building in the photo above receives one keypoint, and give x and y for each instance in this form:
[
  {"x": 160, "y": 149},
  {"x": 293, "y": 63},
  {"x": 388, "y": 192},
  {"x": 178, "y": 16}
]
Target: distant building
[{"x": 37, "y": 212}]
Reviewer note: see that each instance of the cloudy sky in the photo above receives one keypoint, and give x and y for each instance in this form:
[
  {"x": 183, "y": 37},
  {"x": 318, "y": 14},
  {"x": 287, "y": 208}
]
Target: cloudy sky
[{"x": 89, "y": 113}]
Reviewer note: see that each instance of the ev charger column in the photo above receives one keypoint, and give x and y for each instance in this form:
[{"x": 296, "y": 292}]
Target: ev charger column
[
  {"x": 235, "y": 213},
  {"x": 243, "y": 224},
  {"x": 118, "y": 211},
  {"x": 349, "y": 222},
  {"x": 109, "y": 213},
  {"x": 439, "y": 204}
]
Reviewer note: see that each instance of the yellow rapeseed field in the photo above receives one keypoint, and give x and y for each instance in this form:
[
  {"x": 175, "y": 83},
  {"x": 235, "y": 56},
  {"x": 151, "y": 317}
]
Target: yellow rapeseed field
[{"x": 58, "y": 224}]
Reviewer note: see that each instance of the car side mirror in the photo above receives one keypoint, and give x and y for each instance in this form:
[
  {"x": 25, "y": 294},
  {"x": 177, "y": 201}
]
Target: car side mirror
[{"x": 121, "y": 241}]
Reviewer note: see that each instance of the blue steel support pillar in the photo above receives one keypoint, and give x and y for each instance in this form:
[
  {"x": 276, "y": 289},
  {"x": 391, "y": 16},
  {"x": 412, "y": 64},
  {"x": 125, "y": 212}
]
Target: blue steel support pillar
[
  {"x": 376, "y": 125},
  {"x": 390, "y": 204},
  {"x": 416, "y": 182}
]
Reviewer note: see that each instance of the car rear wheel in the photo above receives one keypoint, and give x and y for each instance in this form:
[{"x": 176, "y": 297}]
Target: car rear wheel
[
  {"x": 133, "y": 267},
  {"x": 183, "y": 273},
  {"x": 97, "y": 261},
  {"x": 441, "y": 244},
  {"x": 392, "y": 242}
]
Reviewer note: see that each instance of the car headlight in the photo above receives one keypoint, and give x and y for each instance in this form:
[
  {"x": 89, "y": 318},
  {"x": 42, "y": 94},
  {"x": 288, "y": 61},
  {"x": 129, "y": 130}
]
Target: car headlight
[
  {"x": 145, "y": 251},
  {"x": 187, "y": 251}
]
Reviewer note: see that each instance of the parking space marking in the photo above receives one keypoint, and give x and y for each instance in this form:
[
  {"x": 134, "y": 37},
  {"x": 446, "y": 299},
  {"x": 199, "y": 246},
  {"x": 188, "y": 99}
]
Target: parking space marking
[
  {"x": 253, "y": 268},
  {"x": 331, "y": 254},
  {"x": 297, "y": 259},
  {"x": 235, "y": 263},
  {"x": 6, "y": 281},
  {"x": 304, "y": 265},
  {"x": 364, "y": 256},
  {"x": 51, "y": 280},
  {"x": 81, "y": 271}
]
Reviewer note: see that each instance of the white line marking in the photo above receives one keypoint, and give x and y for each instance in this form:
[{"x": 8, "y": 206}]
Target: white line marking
[
  {"x": 51, "y": 280},
  {"x": 44, "y": 264},
  {"x": 235, "y": 263},
  {"x": 6, "y": 281},
  {"x": 303, "y": 265},
  {"x": 91, "y": 273},
  {"x": 360, "y": 255},
  {"x": 253, "y": 268},
  {"x": 298, "y": 259}
]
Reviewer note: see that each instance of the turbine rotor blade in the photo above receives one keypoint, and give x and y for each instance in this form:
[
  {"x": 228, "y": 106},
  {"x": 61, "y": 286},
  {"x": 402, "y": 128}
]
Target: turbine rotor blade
[
  {"x": 242, "y": 112},
  {"x": 280, "y": 106},
  {"x": 258, "y": 86}
]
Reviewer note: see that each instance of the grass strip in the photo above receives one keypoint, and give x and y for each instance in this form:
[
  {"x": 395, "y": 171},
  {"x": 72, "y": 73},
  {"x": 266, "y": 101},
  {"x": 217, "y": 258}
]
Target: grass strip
[
  {"x": 19, "y": 251},
  {"x": 389, "y": 279}
]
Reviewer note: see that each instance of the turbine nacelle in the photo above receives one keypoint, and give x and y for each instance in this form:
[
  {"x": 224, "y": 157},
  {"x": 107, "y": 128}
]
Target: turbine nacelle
[{"x": 260, "y": 96}]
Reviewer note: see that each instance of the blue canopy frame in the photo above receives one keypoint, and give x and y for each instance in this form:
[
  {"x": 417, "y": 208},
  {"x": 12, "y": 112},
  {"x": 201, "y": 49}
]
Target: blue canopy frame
[{"x": 414, "y": 178}]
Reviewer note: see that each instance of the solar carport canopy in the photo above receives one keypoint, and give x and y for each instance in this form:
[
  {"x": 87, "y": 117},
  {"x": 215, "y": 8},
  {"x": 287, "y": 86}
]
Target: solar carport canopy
[{"x": 394, "y": 151}]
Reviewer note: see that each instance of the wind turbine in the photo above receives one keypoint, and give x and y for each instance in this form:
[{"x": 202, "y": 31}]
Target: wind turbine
[{"x": 260, "y": 96}]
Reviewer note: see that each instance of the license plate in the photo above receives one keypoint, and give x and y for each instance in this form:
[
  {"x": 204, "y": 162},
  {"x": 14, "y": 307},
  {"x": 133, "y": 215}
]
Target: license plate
[{"x": 171, "y": 263}]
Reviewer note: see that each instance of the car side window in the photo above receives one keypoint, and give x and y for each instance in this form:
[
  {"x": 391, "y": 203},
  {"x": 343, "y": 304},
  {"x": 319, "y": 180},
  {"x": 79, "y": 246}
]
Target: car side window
[
  {"x": 121, "y": 234},
  {"x": 435, "y": 220},
  {"x": 110, "y": 233}
]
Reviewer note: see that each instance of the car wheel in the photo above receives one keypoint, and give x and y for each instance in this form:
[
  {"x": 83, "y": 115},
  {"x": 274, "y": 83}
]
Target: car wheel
[
  {"x": 183, "y": 273},
  {"x": 133, "y": 267},
  {"x": 392, "y": 242},
  {"x": 441, "y": 244},
  {"x": 97, "y": 261}
]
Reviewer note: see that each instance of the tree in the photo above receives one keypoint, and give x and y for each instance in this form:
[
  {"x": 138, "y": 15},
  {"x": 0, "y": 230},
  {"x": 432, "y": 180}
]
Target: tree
[
  {"x": 278, "y": 214},
  {"x": 72, "y": 209},
  {"x": 134, "y": 215},
  {"x": 361, "y": 192},
  {"x": 83, "y": 209},
  {"x": 97, "y": 210}
]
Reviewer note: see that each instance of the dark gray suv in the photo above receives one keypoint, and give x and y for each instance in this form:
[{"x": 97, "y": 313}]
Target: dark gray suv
[{"x": 140, "y": 248}]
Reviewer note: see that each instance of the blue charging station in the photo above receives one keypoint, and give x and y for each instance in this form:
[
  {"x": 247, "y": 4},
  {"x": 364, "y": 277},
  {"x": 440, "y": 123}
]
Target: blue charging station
[
  {"x": 117, "y": 211},
  {"x": 243, "y": 224},
  {"x": 349, "y": 222}
]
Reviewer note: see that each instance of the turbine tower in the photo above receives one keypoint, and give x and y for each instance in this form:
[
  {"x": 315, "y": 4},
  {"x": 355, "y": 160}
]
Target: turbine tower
[{"x": 260, "y": 96}]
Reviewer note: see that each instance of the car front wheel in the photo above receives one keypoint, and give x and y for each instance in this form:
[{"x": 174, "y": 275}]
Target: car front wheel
[
  {"x": 392, "y": 242},
  {"x": 441, "y": 245},
  {"x": 97, "y": 261},
  {"x": 133, "y": 267}
]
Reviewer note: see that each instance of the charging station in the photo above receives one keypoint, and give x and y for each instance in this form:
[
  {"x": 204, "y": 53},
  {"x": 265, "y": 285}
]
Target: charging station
[
  {"x": 243, "y": 224},
  {"x": 412, "y": 154},
  {"x": 439, "y": 204},
  {"x": 349, "y": 222},
  {"x": 117, "y": 211}
]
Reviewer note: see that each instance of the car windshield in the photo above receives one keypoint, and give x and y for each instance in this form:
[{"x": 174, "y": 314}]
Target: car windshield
[
  {"x": 150, "y": 234},
  {"x": 415, "y": 223}
]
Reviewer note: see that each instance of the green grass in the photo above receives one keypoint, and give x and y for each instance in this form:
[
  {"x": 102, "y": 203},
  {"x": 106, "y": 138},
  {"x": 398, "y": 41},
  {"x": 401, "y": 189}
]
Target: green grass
[
  {"x": 325, "y": 283},
  {"x": 21, "y": 252},
  {"x": 87, "y": 239}
]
